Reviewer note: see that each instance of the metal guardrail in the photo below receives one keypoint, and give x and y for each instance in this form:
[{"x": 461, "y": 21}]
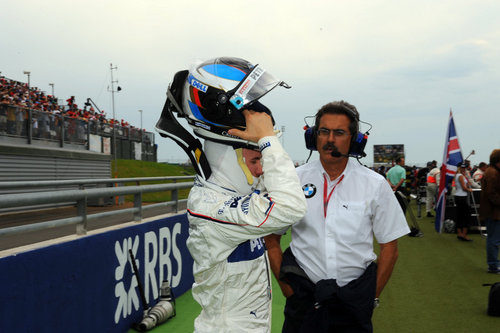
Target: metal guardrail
[
  {"x": 81, "y": 196},
  {"x": 82, "y": 182}
]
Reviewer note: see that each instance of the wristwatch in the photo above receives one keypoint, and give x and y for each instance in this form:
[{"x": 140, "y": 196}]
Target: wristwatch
[{"x": 376, "y": 302}]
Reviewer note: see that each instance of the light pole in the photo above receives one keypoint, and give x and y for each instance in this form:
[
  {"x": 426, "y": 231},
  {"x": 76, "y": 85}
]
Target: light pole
[
  {"x": 52, "y": 85},
  {"x": 111, "y": 68},
  {"x": 28, "y": 110},
  {"x": 29, "y": 94},
  {"x": 28, "y": 73},
  {"x": 140, "y": 111}
]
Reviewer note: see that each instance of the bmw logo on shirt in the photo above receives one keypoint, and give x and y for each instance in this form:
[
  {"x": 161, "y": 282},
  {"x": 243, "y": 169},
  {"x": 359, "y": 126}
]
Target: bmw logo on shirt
[{"x": 309, "y": 190}]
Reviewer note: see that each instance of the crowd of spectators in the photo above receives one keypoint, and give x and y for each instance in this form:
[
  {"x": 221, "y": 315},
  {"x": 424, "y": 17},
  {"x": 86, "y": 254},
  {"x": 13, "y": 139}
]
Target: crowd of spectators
[
  {"x": 418, "y": 176},
  {"x": 18, "y": 94}
]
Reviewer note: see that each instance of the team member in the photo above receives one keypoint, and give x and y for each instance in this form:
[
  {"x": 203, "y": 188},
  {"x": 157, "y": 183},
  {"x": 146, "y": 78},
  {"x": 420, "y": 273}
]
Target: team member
[
  {"x": 235, "y": 200},
  {"x": 328, "y": 273},
  {"x": 396, "y": 177}
]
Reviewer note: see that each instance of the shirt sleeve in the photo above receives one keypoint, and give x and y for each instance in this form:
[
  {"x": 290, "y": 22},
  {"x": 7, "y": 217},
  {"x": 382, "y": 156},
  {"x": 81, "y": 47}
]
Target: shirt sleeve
[{"x": 389, "y": 222}]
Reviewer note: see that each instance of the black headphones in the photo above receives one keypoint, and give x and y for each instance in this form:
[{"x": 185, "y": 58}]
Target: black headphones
[{"x": 356, "y": 147}]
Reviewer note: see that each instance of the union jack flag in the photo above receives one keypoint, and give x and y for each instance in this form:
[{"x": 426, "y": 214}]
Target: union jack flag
[{"x": 452, "y": 156}]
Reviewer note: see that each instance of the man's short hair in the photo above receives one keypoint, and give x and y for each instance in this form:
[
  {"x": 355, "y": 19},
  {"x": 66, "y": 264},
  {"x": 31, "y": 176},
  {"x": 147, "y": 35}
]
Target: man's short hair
[
  {"x": 482, "y": 165},
  {"x": 340, "y": 107},
  {"x": 495, "y": 157},
  {"x": 399, "y": 159}
]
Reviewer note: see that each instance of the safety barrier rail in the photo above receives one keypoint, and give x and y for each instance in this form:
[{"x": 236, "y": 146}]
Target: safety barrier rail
[
  {"x": 81, "y": 197},
  {"x": 83, "y": 182}
]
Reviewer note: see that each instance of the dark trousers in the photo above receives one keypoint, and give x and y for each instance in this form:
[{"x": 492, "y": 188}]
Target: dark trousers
[
  {"x": 326, "y": 307},
  {"x": 492, "y": 243},
  {"x": 463, "y": 212},
  {"x": 401, "y": 201}
]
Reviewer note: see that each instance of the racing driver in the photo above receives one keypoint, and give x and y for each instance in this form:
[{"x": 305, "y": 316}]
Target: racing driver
[{"x": 249, "y": 190}]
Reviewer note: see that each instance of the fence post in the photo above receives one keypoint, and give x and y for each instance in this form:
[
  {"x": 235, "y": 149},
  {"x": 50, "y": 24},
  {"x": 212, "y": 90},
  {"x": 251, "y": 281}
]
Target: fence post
[
  {"x": 29, "y": 124},
  {"x": 175, "y": 197},
  {"x": 81, "y": 205},
  {"x": 138, "y": 204},
  {"x": 88, "y": 134},
  {"x": 61, "y": 142}
]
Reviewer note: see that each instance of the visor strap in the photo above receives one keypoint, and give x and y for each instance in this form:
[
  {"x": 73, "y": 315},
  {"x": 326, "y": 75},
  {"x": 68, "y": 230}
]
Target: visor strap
[{"x": 243, "y": 165}]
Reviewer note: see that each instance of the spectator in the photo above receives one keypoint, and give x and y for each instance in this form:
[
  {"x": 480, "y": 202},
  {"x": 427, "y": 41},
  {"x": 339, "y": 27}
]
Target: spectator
[
  {"x": 468, "y": 174},
  {"x": 422, "y": 175},
  {"x": 381, "y": 170},
  {"x": 396, "y": 177},
  {"x": 489, "y": 210},
  {"x": 18, "y": 98},
  {"x": 432, "y": 185},
  {"x": 463, "y": 209},
  {"x": 478, "y": 174}
]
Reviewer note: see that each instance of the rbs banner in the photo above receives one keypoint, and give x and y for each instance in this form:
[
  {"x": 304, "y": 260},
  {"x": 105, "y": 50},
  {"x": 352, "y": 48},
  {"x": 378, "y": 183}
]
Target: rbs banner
[{"x": 88, "y": 285}]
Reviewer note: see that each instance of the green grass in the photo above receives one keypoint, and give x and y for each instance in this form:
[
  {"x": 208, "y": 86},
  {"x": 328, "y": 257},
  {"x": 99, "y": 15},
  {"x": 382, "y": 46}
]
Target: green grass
[
  {"x": 436, "y": 286},
  {"x": 133, "y": 168}
]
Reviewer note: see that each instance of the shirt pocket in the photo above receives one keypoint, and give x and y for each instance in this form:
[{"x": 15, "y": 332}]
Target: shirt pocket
[{"x": 350, "y": 220}]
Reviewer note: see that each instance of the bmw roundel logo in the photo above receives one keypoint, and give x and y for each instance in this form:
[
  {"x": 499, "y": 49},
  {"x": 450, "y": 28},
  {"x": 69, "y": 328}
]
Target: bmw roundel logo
[{"x": 309, "y": 190}]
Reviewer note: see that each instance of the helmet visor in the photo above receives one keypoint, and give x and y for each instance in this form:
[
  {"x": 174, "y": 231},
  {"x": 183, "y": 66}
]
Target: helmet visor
[{"x": 255, "y": 85}]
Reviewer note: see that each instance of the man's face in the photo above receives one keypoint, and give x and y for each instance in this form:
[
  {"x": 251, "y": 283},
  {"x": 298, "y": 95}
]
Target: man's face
[
  {"x": 338, "y": 138},
  {"x": 402, "y": 162},
  {"x": 252, "y": 160}
]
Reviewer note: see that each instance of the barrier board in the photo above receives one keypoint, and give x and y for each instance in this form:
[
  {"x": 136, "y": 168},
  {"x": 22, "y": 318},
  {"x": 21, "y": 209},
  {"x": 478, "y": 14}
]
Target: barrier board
[{"x": 87, "y": 285}]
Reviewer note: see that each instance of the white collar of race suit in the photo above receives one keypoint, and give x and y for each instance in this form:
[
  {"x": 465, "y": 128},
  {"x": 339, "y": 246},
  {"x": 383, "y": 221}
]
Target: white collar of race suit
[{"x": 226, "y": 171}]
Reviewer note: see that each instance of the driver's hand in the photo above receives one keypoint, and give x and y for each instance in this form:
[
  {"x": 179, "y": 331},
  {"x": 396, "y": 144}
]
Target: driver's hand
[{"x": 258, "y": 125}]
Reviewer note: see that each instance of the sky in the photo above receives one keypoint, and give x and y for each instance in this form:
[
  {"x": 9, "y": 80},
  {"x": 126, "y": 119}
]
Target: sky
[{"x": 403, "y": 64}]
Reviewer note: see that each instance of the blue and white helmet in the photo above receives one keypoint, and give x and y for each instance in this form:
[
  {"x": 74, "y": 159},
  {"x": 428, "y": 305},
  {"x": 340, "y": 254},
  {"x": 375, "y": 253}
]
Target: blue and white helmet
[
  {"x": 216, "y": 91},
  {"x": 211, "y": 95}
]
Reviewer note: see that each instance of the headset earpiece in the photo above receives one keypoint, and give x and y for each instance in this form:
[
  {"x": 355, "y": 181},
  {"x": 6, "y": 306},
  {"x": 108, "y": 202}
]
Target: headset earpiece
[
  {"x": 358, "y": 145},
  {"x": 310, "y": 137}
]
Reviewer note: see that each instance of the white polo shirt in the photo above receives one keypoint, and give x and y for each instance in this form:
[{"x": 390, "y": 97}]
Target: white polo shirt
[{"x": 340, "y": 246}]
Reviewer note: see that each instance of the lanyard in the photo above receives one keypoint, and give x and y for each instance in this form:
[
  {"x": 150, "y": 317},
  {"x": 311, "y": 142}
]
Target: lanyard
[{"x": 326, "y": 199}]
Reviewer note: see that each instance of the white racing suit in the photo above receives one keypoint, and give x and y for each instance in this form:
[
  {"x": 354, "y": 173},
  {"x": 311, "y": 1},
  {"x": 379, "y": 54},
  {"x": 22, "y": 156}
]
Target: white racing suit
[{"x": 231, "y": 268}]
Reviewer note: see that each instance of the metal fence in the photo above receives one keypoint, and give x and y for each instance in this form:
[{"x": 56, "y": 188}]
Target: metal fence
[
  {"x": 82, "y": 196},
  {"x": 22, "y": 122}
]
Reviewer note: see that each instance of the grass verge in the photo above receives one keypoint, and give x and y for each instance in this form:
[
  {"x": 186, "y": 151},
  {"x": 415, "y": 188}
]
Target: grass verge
[{"x": 133, "y": 168}]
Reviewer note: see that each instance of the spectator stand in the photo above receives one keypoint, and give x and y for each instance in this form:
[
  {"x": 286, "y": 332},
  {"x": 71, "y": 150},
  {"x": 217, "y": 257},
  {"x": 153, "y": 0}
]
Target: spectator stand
[{"x": 29, "y": 116}]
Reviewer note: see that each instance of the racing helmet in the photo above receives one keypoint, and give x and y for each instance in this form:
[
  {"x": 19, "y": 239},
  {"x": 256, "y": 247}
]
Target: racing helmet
[{"x": 212, "y": 94}]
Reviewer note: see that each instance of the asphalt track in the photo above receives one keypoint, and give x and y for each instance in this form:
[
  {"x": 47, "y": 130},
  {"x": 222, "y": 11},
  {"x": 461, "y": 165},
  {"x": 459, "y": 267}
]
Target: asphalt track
[{"x": 36, "y": 216}]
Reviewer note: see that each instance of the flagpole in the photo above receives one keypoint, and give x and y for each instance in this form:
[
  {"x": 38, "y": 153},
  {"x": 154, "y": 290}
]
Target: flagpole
[
  {"x": 440, "y": 205},
  {"x": 452, "y": 156}
]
